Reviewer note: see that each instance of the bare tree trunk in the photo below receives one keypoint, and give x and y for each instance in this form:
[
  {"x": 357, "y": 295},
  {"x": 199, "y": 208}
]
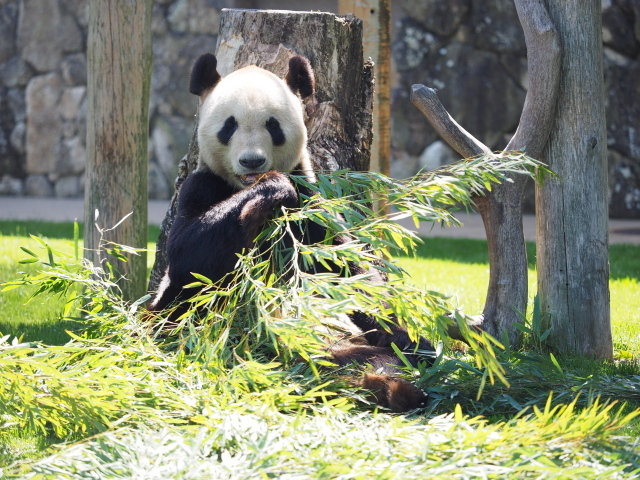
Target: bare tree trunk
[
  {"x": 119, "y": 75},
  {"x": 572, "y": 216},
  {"x": 501, "y": 209},
  {"x": 338, "y": 117},
  {"x": 376, "y": 18}
]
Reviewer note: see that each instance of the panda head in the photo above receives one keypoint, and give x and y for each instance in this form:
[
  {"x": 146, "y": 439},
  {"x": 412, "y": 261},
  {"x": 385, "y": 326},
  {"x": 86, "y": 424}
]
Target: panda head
[{"x": 251, "y": 121}]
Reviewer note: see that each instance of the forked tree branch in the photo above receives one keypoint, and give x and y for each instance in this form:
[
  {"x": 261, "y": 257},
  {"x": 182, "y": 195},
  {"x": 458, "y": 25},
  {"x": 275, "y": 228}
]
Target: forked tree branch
[
  {"x": 427, "y": 101},
  {"x": 501, "y": 209}
]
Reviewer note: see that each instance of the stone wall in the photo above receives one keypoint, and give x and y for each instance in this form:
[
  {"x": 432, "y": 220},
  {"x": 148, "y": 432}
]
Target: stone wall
[
  {"x": 43, "y": 76},
  {"x": 472, "y": 51}
]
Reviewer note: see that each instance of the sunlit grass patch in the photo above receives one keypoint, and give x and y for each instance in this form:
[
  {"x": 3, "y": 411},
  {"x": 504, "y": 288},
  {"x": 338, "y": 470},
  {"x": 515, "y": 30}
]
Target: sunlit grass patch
[
  {"x": 39, "y": 318},
  {"x": 625, "y": 315},
  {"x": 459, "y": 268}
]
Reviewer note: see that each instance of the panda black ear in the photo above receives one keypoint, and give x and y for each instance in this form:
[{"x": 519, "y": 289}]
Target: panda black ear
[
  {"x": 300, "y": 76},
  {"x": 204, "y": 74}
]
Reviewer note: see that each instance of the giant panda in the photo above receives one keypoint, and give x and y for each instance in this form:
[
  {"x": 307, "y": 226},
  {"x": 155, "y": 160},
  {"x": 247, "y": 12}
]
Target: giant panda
[{"x": 251, "y": 134}]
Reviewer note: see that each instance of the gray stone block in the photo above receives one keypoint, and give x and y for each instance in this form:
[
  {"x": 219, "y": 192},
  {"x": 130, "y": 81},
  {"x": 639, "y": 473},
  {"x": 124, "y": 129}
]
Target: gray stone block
[
  {"x": 624, "y": 186},
  {"x": 159, "y": 186},
  {"x": 11, "y": 186},
  {"x": 44, "y": 125},
  {"x": 38, "y": 32},
  {"x": 15, "y": 72},
  {"x": 8, "y": 22},
  {"x": 194, "y": 16},
  {"x": 67, "y": 187},
  {"x": 38, "y": 186},
  {"x": 619, "y": 25},
  {"x": 74, "y": 69},
  {"x": 440, "y": 17},
  {"x": 436, "y": 155}
]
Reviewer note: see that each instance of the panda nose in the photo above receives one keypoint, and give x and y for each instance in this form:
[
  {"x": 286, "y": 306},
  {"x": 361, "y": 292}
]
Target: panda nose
[{"x": 252, "y": 162}]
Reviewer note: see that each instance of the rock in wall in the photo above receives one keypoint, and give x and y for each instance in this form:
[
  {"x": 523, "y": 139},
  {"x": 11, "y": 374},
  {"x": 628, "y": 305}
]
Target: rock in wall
[
  {"x": 474, "y": 53},
  {"x": 43, "y": 76}
]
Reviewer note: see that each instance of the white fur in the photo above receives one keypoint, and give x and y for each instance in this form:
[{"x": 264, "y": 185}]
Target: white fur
[{"x": 252, "y": 95}]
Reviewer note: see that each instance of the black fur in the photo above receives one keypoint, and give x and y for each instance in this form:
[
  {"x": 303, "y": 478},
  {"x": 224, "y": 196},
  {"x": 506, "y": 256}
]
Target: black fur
[
  {"x": 300, "y": 76},
  {"x": 214, "y": 223},
  {"x": 204, "y": 74},
  {"x": 274, "y": 129},
  {"x": 228, "y": 129}
]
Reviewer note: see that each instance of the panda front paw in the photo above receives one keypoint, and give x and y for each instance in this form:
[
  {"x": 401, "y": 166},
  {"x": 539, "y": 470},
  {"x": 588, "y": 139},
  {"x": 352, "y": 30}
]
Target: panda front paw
[{"x": 278, "y": 189}]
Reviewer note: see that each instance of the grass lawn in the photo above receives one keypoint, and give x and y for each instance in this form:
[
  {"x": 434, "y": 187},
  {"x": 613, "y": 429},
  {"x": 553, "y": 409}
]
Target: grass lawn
[
  {"x": 38, "y": 319},
  {"x": 169, "y": 415},
  {"x": 460, "y": 268}
]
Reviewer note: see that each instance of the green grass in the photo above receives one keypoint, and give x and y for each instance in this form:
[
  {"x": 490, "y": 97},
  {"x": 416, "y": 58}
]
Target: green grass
[
  {"x": 172, "y": 415},
  {"x": 38, "y": 319},
  {"x": 456, "y": 267},
  {"x": 318, "y": 445},
  {"x": 55, "y": 230},
  {"x": 460, "y": 268}
]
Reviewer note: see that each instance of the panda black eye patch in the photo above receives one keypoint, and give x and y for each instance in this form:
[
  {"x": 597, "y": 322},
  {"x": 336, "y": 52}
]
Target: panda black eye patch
[
  {"x": 277, "y": 135},
  {"x": 227, "y": 130}
]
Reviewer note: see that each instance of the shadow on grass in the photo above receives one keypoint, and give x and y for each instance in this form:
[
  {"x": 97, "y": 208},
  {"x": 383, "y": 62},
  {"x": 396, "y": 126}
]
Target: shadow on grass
[
  {"x": 463, "y": 250},
  {"x": 624, "y": 259},
  {"x": 59, "y": 230},
  {"x": 51, "y": 332}
]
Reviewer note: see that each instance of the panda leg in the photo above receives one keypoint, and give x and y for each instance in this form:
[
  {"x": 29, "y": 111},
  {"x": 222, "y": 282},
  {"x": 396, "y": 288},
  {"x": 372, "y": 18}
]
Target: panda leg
[
  {"x": 396, "y": 394},
  {"x": 389, "y": 333},
  {"x": 376, "y": 335}
]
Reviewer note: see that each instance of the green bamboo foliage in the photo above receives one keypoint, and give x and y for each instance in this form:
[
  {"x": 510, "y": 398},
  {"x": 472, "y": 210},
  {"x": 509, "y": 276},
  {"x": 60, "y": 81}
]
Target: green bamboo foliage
[{"x": 256, "y": 332}]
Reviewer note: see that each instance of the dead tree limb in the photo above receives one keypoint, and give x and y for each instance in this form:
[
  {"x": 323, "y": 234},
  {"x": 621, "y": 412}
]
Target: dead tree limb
[
  {"x": 501, "y": 209},
  {"x": 427, "y": 101},
  {"x": 543, "y": 57}
]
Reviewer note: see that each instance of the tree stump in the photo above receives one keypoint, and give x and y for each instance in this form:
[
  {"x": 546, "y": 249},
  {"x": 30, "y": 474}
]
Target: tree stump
[{"x": 338, "y": 117}]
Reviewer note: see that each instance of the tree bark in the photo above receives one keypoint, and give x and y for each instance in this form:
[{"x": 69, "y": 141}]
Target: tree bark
[
  {"x": 119, "y": 75},
  {"x": 376, "y": 43},
  {"x": 572, "y": 216},
  {"x": 501, "y": 209},
  {"x": 338, "y": 117}
]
